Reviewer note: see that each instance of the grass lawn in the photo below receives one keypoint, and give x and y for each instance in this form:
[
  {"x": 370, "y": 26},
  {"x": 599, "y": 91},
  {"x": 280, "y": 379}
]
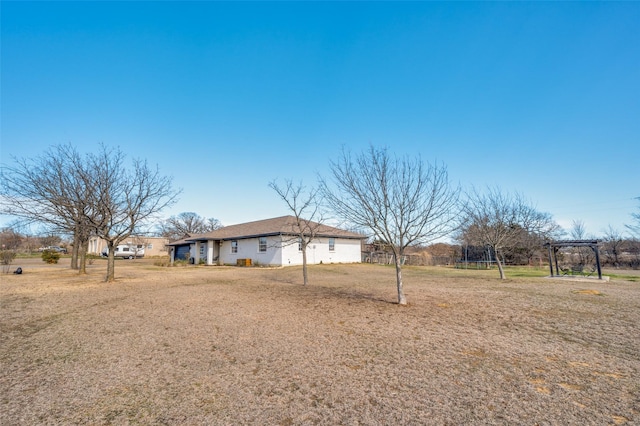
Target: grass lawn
[{"x": 227, "y": 345}]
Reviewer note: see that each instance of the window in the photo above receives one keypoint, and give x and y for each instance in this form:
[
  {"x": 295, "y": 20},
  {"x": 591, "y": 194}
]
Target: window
[
  {"x": 262, "y": 244},
  {"x": 299, "y": 244},
  {"x": 332, "y": 244},
  {"x": 149, "y": 246},
  {"x": 234, "y": 246}
]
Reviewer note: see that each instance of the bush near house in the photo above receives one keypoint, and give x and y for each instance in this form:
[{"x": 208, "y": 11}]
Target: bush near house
[
  {"x": 50, "y": 256},
  {"x": 6, "y": 258}
]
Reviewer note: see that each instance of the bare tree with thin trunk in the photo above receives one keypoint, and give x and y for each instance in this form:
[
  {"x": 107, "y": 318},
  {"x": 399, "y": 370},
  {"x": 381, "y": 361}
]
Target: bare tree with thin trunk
[
  {"x": 578, "y": 231},
  {"x": 614, "y": 243},
  {"x": 635, "y": 227},
  {"x": 123, "y": 198},
  {"x": 402, "y": 201},
  {"x": 305, "y": 207},
  {"x": 497, "y": 219},
  {"x": 138, "y": 244}
]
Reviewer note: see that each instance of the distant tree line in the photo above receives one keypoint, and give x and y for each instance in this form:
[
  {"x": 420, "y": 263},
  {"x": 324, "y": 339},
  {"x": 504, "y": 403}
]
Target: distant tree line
[
  {"x": 186, "y": 224},
  {"x": 12, "y": 239}
]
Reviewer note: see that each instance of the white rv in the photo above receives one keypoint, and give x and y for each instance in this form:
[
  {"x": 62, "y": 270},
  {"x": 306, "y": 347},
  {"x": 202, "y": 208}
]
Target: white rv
[{"x": 126, "y": 251}]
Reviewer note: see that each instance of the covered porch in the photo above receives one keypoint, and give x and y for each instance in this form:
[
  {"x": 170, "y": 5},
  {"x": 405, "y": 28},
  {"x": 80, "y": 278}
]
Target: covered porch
[{"x": 197, "y": 251}]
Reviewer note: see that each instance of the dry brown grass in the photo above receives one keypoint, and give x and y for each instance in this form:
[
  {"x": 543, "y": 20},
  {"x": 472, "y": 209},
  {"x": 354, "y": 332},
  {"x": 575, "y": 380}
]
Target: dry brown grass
[{"x": 220, "y": 345}]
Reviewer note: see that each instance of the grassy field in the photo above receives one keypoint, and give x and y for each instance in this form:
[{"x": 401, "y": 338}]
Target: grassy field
[{"x": 226, "y": 345}]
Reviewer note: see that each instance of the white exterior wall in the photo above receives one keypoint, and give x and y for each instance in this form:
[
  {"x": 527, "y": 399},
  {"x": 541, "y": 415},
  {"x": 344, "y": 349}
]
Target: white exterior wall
[
  {"x": 278, "y": 253},
  {"x": 345, "y": 251},
  {"x": 248, "y": 249}
]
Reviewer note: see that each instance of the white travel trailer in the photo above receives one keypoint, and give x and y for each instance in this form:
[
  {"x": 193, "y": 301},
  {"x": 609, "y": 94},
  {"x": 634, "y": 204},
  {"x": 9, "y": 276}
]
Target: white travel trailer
[{"x": 126, "y": 251}]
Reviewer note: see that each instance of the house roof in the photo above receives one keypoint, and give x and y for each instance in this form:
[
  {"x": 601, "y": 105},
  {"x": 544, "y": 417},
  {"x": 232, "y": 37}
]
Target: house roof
[
  {"x": 180, "y": 242},
  {"x": 285, "y": 225}
]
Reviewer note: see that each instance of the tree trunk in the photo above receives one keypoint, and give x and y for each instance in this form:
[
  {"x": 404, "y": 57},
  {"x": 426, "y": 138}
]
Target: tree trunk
[
  {"x": 500, "y": 268},
  {"x": 111, "y": 262},
  {"x": 74, "y": 252},
  {"x": 82, "y": 256},
  {"x": 402, "y": 300},
  {"x": 305, "y": 276},
  {"x": 82, "y": 262}
]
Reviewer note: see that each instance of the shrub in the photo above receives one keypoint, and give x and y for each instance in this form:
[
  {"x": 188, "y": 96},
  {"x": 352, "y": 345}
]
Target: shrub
[
  {"x": 162, "y": 261},
  {"x": 50, "y": 256},
  {"x": 6, "y": 258}
]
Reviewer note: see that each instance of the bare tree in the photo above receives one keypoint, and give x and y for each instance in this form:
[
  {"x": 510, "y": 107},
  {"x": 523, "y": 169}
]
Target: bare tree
[
  {"x": 635, "y": 227},
  {"x": 527, "y": 245},
  {"x": 212, "y": 224},
  {"x": 138, "y": 245},
  {"x": 50, "y": 189},
  {"x": 122, "y": 198},
  {"x": 187, "y": 223},
  {"x": 578, "y": 231},
  {"x": 50, "y": 240},
  {"x": 10, "y": 239},
  {"x": 6, "y": 258},
  {"x": 305, "y": 207},
  {"x": 634, "y": 244},
  {"x": 497, "y": 220},
  {"x": 614, "y": 243},
  {"x": 402, "y": 201}
]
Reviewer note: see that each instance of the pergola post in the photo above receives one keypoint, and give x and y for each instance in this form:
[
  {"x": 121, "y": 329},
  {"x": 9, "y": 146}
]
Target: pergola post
[
  {"x": 556, "y": 245},
  {"x": 595, "y": 249}
]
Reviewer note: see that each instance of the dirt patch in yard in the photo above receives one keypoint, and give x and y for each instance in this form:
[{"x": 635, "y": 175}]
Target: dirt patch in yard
[{"x": 226, "y": 345}]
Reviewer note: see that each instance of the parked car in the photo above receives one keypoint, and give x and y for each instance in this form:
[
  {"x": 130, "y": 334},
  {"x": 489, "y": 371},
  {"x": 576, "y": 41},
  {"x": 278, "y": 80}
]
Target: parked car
[
  {"x": 126, "y": 251},
  {"x": 54, "y": 248}
]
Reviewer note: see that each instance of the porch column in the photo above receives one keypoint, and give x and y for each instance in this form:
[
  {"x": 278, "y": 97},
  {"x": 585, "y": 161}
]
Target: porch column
[
  {"x": 196, "y": 253},
  {"x": 210, "y": 252}
]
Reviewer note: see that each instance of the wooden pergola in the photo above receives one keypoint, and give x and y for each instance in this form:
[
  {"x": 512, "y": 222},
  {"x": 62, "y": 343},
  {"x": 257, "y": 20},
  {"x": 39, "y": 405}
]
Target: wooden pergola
[{"x": 554, "y": 246}]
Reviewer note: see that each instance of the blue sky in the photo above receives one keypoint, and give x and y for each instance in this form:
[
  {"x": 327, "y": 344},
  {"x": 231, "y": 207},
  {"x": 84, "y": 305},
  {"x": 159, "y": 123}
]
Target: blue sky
[{"x": 540, "y": 98}]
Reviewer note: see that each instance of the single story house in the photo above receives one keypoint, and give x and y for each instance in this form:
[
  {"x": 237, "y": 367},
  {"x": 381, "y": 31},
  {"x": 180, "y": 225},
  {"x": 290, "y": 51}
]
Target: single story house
[
  {"x": 151, "y": 246},
  {"x": 272, "y": 242}
]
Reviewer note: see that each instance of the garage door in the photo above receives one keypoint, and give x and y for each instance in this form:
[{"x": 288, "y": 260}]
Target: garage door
[{"x": 182, "y": 253}]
